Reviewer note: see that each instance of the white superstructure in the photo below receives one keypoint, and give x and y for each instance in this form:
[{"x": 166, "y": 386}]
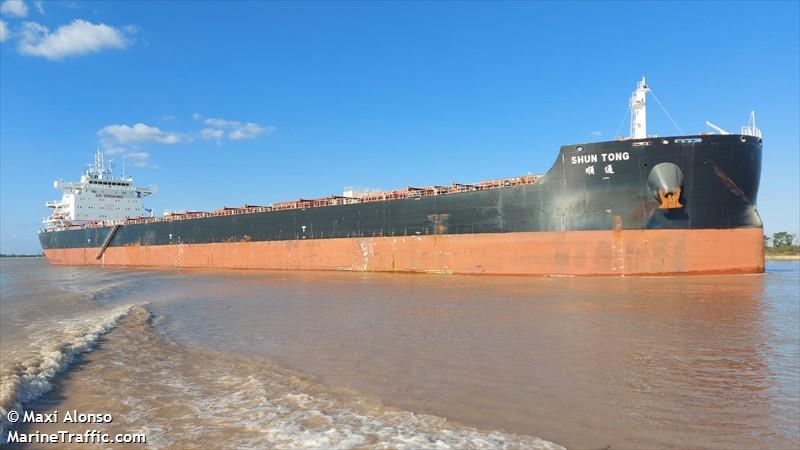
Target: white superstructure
[{"x": 97, "y": 197}]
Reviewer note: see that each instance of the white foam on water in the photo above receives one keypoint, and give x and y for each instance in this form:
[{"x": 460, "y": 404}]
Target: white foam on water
[
  {"x": 183, "y": 397},
  {"x": 272, "y": 409},
  {"x": 31, "y": 376}
]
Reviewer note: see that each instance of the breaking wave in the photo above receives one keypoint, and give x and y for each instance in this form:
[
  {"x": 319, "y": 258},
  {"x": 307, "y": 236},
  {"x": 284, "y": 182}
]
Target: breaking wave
[
  {"x": 205, "y": 396},
  {"x": 32, "y": 375},
  {"x": 187, "y": 397}
]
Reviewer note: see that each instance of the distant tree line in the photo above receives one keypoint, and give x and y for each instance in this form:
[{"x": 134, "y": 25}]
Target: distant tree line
[{"x": 781, "y": 243}]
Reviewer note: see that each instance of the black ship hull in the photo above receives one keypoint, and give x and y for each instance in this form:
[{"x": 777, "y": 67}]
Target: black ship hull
[{"x": 673, "y": 185}]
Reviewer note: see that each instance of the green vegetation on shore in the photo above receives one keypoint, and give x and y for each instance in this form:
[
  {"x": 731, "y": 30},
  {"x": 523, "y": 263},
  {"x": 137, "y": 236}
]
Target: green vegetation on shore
[{"x": 781, "y": 245}]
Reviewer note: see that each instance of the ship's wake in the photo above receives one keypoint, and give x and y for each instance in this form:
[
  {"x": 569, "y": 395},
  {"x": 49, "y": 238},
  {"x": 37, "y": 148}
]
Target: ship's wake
[
  {"x": 31, "y": 375},
  {"x": 186, "y": 397}
]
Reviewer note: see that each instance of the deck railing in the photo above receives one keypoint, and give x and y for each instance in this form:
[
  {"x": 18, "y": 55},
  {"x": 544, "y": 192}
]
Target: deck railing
[{"x": 409, "y": 192}]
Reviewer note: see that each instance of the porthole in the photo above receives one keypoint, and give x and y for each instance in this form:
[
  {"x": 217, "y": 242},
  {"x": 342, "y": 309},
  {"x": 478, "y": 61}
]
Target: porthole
[
  {"x": 742, "y": 138},
  {"x": 579, "y": 148}
]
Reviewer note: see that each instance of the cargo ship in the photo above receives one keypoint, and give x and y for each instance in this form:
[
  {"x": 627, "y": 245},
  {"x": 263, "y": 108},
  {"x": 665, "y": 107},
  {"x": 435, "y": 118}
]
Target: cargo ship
[{"x": 640, "y": 205}]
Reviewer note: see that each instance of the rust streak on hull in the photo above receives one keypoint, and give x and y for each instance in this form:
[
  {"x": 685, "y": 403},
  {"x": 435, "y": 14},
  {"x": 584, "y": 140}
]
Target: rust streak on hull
[{"x": 617, "y": 252}]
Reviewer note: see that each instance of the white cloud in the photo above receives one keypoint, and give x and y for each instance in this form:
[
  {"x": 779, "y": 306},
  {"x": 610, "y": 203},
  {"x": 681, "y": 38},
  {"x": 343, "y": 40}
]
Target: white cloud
[
  {"x": 16, "y": 8},
  {"x": 77, "y": 38},
  {"x": 210, "y": 133},
  {"x": 236, "y": 130},
  {"x": 137, "y": 159},
  {"x": 222, "y": 123},
  {"x": 597, "y": 133},
  {"x": 4, "y": 33},
  {"x": 139, "y": 133},
  {"x": 249, "y": 130},
  {"x": 126, "y": 141},
  {"x": 39, "y": 6},
  {"x": 129, "y": 158}
]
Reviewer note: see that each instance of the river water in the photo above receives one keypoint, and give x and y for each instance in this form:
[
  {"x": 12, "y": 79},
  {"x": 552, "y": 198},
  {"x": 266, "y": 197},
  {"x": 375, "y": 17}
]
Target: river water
[{"x": 224, "y": 359}]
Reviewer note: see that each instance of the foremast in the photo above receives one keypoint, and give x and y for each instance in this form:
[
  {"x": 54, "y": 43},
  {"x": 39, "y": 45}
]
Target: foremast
[{"x": 638, "y": 105}]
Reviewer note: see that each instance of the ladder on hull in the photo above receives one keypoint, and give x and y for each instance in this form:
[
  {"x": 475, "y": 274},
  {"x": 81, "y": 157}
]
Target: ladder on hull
[{"x": 107, "y": 241}]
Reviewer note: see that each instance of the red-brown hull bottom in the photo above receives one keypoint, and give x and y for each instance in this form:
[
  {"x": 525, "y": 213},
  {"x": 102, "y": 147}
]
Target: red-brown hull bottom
[{"x": 621, "y": 252}]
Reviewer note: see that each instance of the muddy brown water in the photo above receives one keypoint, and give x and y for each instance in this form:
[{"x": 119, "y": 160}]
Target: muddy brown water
[{"x": 362, "y": 360}]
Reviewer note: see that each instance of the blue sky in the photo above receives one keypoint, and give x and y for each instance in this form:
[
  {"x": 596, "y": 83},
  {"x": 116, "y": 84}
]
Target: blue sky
[{"x": 309, "y": 97}]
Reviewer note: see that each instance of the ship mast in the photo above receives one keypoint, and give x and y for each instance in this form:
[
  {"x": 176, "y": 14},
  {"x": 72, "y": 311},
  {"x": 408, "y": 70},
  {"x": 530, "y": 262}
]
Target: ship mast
[
  {"x": 99, "y": 171},
  {"x": 639, "y": 111},
  {"x": 751, "y": 129},
  {"x": 99, "y": 164}
]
